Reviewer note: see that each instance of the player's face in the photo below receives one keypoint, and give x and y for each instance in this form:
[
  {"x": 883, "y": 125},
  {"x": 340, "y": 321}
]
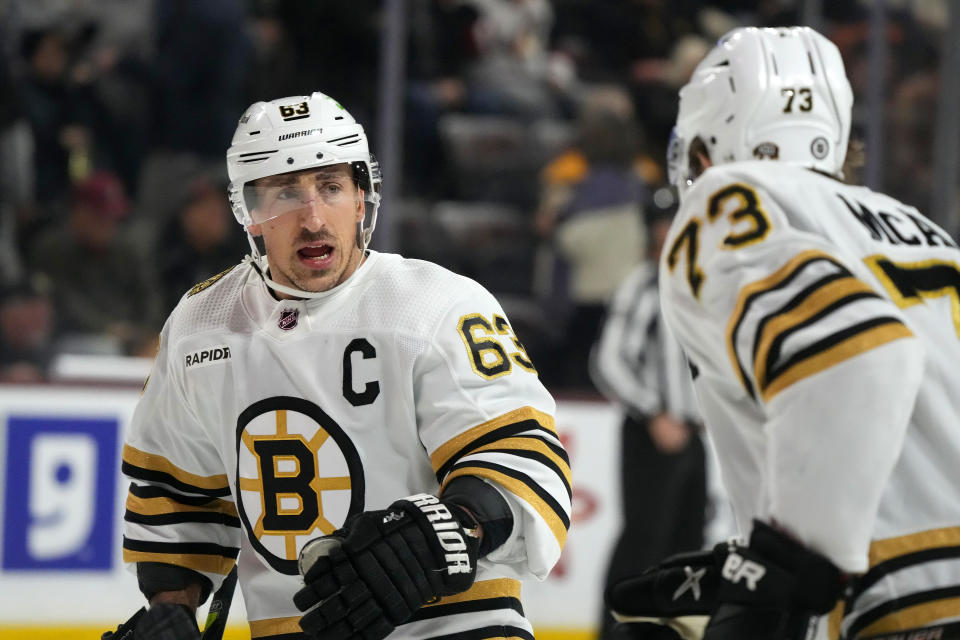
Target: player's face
[{"x": 312, "y": 243}]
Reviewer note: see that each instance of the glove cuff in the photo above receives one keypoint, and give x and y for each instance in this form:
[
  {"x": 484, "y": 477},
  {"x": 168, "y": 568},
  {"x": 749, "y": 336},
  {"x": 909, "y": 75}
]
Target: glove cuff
[
  {"x": 820, "y": 583},
  {"x": 777, "y": 572}
]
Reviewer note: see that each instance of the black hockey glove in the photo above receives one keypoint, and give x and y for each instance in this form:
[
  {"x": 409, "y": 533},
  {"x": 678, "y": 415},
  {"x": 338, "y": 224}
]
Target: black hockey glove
[
  {"x": 680, "y": 592},
  {"x": 772, "y": 589},
  {"x": 382, "y": 566}
]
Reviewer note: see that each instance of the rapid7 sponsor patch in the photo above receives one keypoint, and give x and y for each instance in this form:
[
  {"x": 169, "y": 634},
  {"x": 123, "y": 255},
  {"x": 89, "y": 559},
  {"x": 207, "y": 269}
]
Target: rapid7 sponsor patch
[{"x": 208, "y": 356}]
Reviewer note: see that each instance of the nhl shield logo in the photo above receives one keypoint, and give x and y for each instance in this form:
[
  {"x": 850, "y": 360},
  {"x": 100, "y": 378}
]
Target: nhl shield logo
[{"x": 288, "y": 319}]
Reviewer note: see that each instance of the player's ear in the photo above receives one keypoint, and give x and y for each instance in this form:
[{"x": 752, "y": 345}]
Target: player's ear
[
  {"x": 361, "y": 205},
  {"x": 699, "y": 157}
]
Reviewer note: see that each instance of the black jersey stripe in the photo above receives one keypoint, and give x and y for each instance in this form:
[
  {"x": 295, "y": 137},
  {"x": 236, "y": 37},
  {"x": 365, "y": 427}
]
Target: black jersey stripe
[
  {"x": 469, "y": 606},
  {"x": 148, "y": 463},
  {"x": 754, "y": 291},
  {"x": 539, "y": 457},
  {"x": 147, "y": 491},
  {"x": 833, "y": 349},
  {"x": 905, "y": 561},
  {"x": 180, "y": 517},
  {"x": 499, "y": 433},
  {"x": 497, "y": 631},
  {"x": 768, "y": 365},
  {"x": 793, "y": 303},
  {"x": 926, "y": 606},
  {"x": 199, "y": 548},
  {"x": 559, "y": 451},
  {"x": 149, "y": 475}
]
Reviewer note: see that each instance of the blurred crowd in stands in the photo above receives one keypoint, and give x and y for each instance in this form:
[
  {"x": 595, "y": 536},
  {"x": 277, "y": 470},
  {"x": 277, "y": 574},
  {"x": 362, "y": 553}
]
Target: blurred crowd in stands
[{"x": 532, "y": 146}]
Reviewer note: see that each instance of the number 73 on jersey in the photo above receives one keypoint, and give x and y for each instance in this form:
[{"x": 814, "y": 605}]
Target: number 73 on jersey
[{"x": 741, "y": 206}]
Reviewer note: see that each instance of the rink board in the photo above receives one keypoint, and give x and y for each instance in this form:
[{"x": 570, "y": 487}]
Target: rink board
[{"x": 61, "y": 514}]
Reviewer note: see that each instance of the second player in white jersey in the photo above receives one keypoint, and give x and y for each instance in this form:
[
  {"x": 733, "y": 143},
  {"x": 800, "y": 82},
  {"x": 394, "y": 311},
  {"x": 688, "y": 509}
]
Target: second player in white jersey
[
  {"x": 829, "y": 377},
  {"x": 822, "y": 325}
]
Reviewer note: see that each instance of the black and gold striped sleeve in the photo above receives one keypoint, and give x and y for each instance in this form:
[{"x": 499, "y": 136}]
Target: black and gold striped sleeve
[
  {"x": 521, "y": 452},
  {"x": 808, "y": 316},
  {"x": 176, "y": 517},
  {"x": 898, "y": 600}
]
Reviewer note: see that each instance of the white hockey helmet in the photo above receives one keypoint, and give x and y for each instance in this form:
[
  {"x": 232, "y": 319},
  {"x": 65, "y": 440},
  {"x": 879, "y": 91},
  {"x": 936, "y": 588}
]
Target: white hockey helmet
[
  {"x": 765, "y": 93},
  {"x": 292, "y": 134}
]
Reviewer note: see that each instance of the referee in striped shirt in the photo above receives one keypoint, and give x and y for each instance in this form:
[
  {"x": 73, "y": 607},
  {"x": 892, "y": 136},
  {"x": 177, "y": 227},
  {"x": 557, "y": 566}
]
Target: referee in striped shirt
[{"x": 639, "y": 365}]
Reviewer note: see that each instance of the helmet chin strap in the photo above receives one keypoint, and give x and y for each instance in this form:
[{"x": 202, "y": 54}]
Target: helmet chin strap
[{"x": 253, "y": 259}]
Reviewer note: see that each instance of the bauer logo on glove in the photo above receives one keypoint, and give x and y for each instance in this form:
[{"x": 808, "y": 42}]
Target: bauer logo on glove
[{"x": 737, "y": 568}]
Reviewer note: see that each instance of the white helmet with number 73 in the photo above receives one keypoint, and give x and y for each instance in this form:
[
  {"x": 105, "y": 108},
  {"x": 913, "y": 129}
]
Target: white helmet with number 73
[
  {"x": 779, "y": 94},
  {"x": 292, "y": 134}
]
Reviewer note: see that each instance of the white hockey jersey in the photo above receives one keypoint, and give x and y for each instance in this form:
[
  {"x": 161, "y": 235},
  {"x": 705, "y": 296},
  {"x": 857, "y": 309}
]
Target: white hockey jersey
[
  {"x": 266, "y": 422},
  {"x": 822, "y": 322}
]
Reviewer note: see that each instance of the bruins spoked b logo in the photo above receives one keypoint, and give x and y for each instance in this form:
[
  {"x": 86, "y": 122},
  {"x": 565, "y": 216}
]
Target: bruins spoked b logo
[{"x": 298, "y": 477}]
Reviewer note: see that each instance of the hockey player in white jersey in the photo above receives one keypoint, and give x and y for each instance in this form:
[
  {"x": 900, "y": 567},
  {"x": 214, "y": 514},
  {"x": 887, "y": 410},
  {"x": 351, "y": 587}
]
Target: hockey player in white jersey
[
  {"x": 822, "y": 325},
  {"x": 322, "y": 390}
]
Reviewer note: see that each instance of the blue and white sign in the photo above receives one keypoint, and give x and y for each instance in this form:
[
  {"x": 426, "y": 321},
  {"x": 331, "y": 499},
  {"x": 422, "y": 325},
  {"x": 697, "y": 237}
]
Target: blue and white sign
[{"x": 60, "y": 493}]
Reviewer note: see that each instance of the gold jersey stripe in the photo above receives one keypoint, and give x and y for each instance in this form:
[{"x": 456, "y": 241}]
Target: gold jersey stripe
[
  {"x": 154, "y": 462},
  {"x": 852, "y": 346},
  {"x": 162, "y": 505},
  {"x": 887, "y": 548},
  {"x": 195, "y": 561},
  {"x": 529, "y": 444},
  {"x": 274, "y": 627},
  {"x": 200, "y": 286},
  {"x": 812, "y": 305},
  {"x": 918, "y": 615},
  {"x": 757, "y": 287},
  {"x": 452, "y": 446},
  {"x": 521, "y": 490},
  {"x": 835, "y": 620},
  {"x": 497, "y": 588}
]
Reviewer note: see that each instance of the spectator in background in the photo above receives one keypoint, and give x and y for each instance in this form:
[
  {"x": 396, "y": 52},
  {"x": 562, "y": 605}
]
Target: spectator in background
[
  {"x": 442, "y": 46},
  {"x": 591, "y": 218},
  {"x": 346, "y": 31},
  {"x": 26, "y": 331},
  {"x": 635, "y": 44},
  {"x": 199, "y": 79},
  {"x": 485, "y": 58},
  {"x": 512, "y": 73},
  {"x": 104, "y": 296},
  {"x": 58, "y": 111},
  {"x": 638, "y": 364},
  {"x": 202, "y": 240},
  {"x": 16, "y": 175}
]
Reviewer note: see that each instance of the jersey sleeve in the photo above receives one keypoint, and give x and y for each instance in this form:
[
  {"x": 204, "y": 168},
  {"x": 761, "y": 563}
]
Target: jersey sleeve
[
  {"x": 482, "y": 411},
  {"x": 781, "y": 327},
  {"x": 179, "y": 508}
]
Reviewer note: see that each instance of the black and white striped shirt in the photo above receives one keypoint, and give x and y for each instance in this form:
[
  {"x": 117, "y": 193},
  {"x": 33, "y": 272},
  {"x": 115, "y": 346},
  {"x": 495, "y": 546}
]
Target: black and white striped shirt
[{"x": 637, "y": 361}]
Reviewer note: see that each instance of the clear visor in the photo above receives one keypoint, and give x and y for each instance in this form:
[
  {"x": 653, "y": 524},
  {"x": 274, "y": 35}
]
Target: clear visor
[
  {"x": 675, "y": 151},
  {"x": 331, "y": 186}
]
